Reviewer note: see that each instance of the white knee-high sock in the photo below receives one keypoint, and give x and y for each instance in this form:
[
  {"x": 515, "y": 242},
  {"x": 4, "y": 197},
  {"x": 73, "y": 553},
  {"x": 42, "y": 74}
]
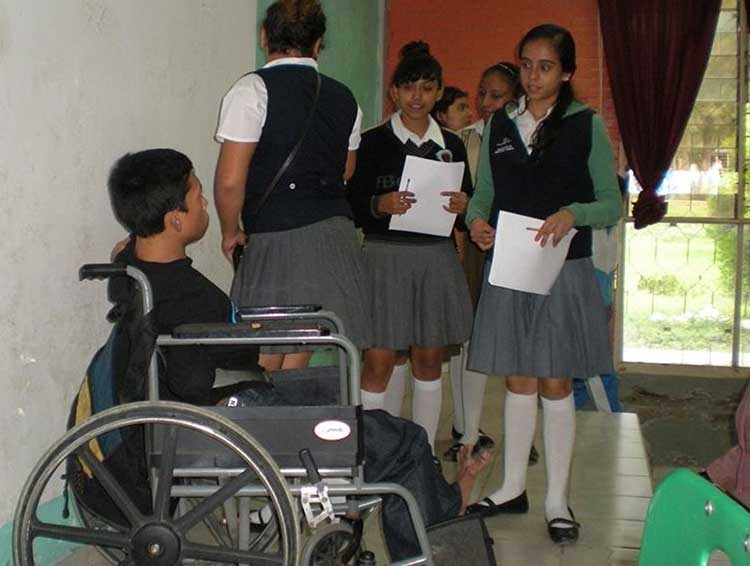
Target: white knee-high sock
[
  {"x": 472, "y": 384},
  {"x": 520, "y": 424},
  {"x": 394, "y": 393},
  {"x": 426, "y": 401},
  {"x": 371, "y": 400},
  {"x": 456, "y": 366},
  {"x": 559, "y": 437}
]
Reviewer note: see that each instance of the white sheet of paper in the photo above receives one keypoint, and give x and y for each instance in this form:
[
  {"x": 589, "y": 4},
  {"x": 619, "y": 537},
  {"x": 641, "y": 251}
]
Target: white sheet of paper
[
  {"x": 519, "y": 262},
  {"x": 427, "y": 178}
]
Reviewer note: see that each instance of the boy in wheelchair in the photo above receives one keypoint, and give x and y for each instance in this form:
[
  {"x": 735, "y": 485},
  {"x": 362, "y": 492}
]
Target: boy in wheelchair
[{"x": 157, "y": 197}]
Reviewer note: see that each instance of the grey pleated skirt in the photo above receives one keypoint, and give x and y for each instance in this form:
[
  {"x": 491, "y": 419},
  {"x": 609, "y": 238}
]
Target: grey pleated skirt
[
  {"x": 316, "y": 264},
  {"x": 419, "y": 294},
  {"x": 563, "y": 334}
]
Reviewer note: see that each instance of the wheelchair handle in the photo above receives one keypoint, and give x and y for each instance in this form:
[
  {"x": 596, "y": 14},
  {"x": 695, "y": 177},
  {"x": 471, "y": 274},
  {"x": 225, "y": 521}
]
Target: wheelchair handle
[{"x": 101, "y": 270}]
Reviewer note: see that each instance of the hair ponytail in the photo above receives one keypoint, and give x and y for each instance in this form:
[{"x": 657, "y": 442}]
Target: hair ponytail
[
  {"x": 417, "y": 63},
  {"x": 294, "y": 25}
]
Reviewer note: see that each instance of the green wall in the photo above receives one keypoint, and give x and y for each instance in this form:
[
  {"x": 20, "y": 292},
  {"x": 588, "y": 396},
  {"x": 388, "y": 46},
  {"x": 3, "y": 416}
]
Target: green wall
[{"x": 353, "y": 52}]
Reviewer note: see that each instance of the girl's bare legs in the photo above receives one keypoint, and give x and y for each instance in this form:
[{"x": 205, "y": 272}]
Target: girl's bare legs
[
  {"x": 376, "y": 373},
  {"x": 394, "y": 392},
  {"x": 272, "y": 362},
  {"x": 428, "y": 393}
]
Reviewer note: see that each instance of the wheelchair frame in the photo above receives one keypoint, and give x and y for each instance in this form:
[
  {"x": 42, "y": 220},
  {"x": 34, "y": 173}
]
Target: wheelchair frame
[{"x": 315, "y": 491}]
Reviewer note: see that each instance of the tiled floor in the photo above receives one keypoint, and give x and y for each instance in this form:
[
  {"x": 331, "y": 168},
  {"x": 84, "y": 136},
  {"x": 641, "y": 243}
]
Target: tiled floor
[{"x": 610, "y": 492}]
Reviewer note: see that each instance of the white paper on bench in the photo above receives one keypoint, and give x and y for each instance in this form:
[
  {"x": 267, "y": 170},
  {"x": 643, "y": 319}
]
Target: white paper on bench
[
  {"x": 427, "y": 178},
  {"x": 520, "y": 263}
]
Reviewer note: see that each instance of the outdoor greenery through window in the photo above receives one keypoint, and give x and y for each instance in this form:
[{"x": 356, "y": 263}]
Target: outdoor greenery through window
[{"x": 680, "y": 300}]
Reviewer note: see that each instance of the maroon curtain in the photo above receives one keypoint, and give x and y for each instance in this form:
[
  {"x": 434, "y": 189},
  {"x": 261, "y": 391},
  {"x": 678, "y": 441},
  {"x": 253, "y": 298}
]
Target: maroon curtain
[{"x": 657, "y": 52}]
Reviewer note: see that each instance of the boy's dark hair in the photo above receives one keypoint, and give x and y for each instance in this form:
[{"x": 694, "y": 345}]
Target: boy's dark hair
[
  {"x": 417, "y": 63},
  {"x": 565, "y": 47},
  {"x": 450, "y": 94},
  {"x": 294, "y": 24},
  {"x": 144, "y": 186}
]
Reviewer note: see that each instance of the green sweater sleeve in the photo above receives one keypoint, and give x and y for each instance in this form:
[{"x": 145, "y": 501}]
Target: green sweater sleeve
[
  {"x": 606, "y": 209},
  {"x": 480, "y": 205}
]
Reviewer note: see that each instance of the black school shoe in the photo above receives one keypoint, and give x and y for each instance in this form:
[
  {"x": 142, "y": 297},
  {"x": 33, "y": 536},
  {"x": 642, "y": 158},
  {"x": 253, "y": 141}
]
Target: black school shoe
[
  {"x": 563, "y": 531},
  {"x": 488, "y": 508},
  {"x": 533, "y": 456},
  {"x": 483, "y": 443}
]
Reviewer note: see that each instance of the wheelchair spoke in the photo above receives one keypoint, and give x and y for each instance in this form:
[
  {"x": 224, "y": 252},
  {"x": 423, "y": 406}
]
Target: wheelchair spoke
[
  {"x": 196, "y": 515},
  {"x": 79, "y": 535},
  {"x": 231, "y": 555},
  {"x": 112, "y": 486},
  {"x": 166, "y": 469}
]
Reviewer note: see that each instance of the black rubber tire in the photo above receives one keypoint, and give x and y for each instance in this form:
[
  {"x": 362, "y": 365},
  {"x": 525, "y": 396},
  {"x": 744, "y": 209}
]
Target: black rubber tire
[{"x": 27, "y": 526}]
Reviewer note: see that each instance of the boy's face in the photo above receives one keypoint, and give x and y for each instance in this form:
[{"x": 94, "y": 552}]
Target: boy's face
[{"x": 195, "y": 219}]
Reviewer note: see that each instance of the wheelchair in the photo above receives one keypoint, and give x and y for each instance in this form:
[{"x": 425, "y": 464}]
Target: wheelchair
[{"x": 260, "y": 485}]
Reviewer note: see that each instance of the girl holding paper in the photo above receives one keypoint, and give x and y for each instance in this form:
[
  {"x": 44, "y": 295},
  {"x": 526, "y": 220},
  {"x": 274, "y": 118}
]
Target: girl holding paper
[
  {"x": 420, "y": 297},
  {"x": 498, "y": 85},
  {"x": 546, "y": 157}
]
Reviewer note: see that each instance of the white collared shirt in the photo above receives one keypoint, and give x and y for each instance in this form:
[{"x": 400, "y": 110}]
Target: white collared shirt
[
  {"x": 433, "y": 133},
  {"x": 244, "y": 107},
  {"x": 477, "y": 126},
  {"x": 526, "y": 123}
]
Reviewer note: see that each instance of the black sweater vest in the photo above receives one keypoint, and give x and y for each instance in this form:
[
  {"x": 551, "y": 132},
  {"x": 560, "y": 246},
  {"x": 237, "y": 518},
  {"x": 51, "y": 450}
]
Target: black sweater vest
[
  {"x": 380, "y": 162},
  {"x": 539, "y": 184},
  {"x": 312, "y": 188}
]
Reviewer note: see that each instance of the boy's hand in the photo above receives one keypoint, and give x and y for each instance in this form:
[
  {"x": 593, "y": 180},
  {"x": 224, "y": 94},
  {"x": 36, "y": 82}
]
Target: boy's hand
[
  {"x": 458, "y": 202},
  {"x": 230, "y": 241},
  {"x": 482, "y": 234}
]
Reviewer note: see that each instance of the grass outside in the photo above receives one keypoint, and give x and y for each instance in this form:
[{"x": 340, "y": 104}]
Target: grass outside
[{"x": 678, "y": 295}]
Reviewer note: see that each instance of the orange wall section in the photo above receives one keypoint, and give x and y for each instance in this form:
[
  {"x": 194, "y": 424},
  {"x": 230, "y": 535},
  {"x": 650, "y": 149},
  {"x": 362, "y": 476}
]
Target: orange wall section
[{"x": 469, "y": 36}]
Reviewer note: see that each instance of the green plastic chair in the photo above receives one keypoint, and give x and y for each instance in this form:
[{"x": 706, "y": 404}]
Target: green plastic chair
[{"x": 688, "y": 519}]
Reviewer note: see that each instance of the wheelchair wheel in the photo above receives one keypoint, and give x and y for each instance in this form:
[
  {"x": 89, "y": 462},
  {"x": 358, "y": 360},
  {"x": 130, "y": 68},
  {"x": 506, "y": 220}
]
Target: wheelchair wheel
[
  {"x": 155, "y": 538},
  {"x": 336, "y": 544}
]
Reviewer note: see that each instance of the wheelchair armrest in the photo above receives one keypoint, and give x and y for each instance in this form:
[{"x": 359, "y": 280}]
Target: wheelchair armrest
[
  {"x": 101, "y": 270},
  {"x": 249, "y": 330},
  {"x": 249, "y": 311}
]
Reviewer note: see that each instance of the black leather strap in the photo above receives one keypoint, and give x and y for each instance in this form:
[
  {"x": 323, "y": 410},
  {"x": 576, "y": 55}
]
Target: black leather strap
[{"x": 292, "y": 154}]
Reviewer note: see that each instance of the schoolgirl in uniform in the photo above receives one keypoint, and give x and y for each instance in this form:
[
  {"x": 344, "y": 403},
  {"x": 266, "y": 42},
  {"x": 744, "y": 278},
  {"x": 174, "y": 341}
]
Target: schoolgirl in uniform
[
  {"x": 420, "y": 297},
  {"x": 452, "y": 111},
  {"x": 498, "y": 85},
  {"x": 548, "y": 157},
  {"x": 289, "y": 138}
]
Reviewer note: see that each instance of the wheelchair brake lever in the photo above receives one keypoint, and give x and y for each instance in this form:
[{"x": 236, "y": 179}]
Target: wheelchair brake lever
[{"x": 315, "y": 494}]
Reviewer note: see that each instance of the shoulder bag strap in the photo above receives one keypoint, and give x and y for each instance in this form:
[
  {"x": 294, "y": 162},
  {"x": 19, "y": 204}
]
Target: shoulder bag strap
[{"x": 292, "y": 154}]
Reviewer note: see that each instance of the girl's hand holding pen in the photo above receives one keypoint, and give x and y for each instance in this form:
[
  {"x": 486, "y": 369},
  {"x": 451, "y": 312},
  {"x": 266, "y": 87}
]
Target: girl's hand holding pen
[
  {"x": 395, "y": 203},
  {"x": 457, "y": 203},
  {"x": 482, "y": 234},
  {"x": 557, "y": 226}
]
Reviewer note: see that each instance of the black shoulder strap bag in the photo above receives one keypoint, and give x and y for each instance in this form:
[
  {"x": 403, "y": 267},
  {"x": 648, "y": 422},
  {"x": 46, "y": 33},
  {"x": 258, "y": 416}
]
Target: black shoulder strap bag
[{"x": 237, "y": 253}]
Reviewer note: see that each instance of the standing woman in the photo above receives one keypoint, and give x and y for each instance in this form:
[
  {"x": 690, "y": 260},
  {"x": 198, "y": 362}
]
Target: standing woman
[
  {"x": 420, "y": 297},
  {"x": 498, "y": 85},
  {"x": 289, "y": 137},
  {"x": 548, "y": 157}
]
